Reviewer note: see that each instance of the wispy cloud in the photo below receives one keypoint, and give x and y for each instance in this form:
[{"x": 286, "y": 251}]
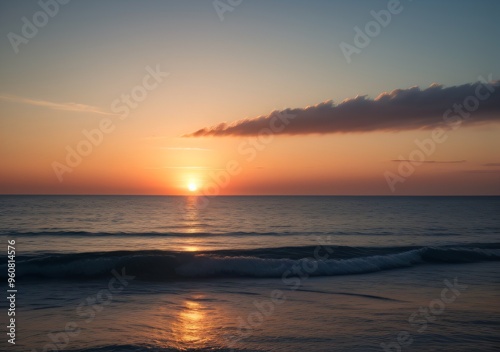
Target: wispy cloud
[
  {"x": 186, "y": 148},
  {"x": 184, "y": 167},
  {"x": 482, "y": 172},
  {"x": 492, "y": 164},
  {"x": 154, "y": 138},
  {"x": 401, "y": 109},
  {"x": 432, "y": 161},
  {"x": 71, "y": 107}
]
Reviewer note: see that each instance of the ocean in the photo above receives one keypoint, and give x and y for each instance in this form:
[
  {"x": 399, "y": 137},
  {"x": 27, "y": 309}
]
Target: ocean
[{"x": 252, "y": 273}]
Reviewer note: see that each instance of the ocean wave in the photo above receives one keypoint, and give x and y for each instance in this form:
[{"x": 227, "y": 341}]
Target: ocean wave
[
  {"x": 148, "y": 234},
  {"x": 260, "y": 263},
  {"x": 71, "y": 234},
  {"x": 145, "y": 348}
]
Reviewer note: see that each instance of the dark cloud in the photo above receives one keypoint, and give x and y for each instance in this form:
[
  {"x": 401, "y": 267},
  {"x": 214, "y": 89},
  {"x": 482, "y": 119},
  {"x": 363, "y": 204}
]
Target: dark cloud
[
  {"x": 483, "y": 171},
  {"x": 432, "y": 161},
  {"x": 401, "y": 109},
  {"x": 492, "y": 164}
]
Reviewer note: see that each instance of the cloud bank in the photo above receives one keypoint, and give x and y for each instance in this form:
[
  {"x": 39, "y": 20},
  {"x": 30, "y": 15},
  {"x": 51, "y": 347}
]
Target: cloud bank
[{"x": 399, "y": 110}]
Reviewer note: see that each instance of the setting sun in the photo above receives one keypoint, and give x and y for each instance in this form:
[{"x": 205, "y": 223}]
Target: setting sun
[{"x": 193, "y": 187}]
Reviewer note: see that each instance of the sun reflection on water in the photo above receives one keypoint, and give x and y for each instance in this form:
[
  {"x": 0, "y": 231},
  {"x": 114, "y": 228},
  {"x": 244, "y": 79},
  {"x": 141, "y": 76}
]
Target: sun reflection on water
[
  {"x": 192, "y": 327},
  {"x": 193, "y": 322},
  {"x": 191, "y": 215},
  {"x": 192, "y": 224}
]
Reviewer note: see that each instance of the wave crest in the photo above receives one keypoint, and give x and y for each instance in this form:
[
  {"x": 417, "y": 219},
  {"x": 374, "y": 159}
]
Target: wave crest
[{"x": 262, "y": 263}]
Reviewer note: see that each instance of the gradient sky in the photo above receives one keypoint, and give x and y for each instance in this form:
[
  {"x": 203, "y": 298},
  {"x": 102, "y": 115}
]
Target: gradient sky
[{"x": 265, "y": 55}]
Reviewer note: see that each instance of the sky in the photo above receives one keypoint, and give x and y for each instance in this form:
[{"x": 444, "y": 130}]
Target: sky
[{"x": 250, "y": 97}]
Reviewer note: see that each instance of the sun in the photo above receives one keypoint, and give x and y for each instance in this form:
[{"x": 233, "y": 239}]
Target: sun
[{"x": 193, "y": 187}]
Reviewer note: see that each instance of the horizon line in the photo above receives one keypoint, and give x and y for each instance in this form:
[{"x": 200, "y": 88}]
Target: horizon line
[{"x": 251, "y": 195}]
